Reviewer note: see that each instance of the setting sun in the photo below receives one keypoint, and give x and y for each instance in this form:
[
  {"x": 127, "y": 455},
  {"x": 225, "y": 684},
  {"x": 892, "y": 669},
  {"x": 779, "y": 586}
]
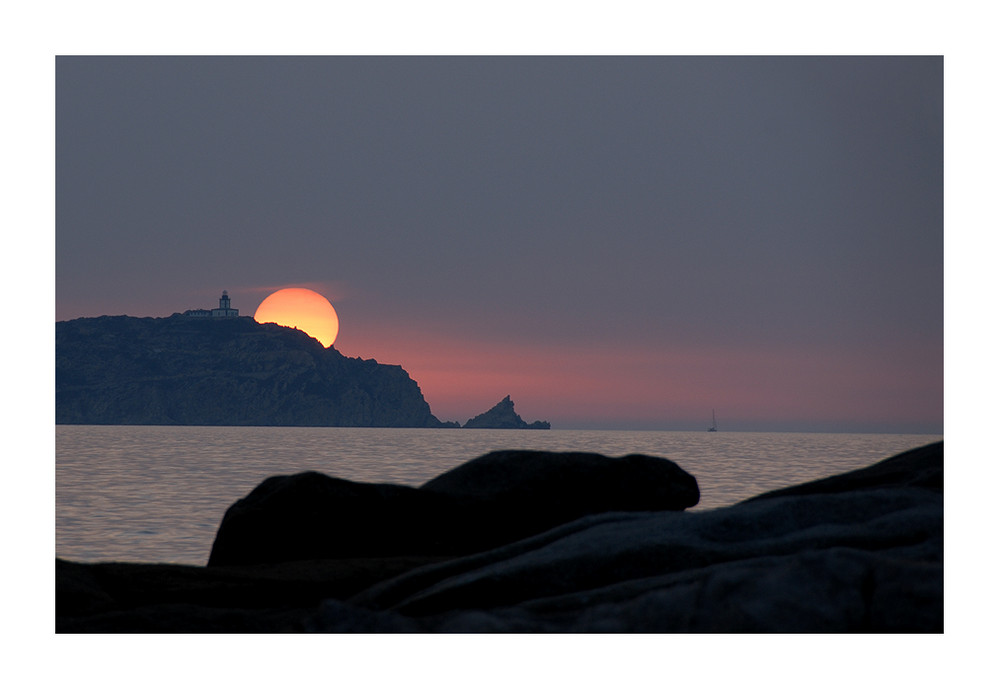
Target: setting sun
[{"x": 300, "y": 308}]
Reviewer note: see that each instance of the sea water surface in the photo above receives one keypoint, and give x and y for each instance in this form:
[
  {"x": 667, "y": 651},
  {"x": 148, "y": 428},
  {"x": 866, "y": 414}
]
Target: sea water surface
[{"x": 158, "y": 493}]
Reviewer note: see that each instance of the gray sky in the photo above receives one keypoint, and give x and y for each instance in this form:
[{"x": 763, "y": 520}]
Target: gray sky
[{"x": 620, "y": 242}]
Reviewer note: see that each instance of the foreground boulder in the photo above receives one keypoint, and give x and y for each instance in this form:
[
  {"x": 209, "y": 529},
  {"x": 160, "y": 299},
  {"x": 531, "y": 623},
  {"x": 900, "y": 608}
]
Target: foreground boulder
[
  {"x": 498, "y": 498},
  {"x": 921, "y": 467},
  {"x": 169, "y": 598},
  {"x": 832, "y": 563},
  {"x": 548, "y": 489},
  {"x": 861, "y": 552},
  {"x": 312, "y": 516}
]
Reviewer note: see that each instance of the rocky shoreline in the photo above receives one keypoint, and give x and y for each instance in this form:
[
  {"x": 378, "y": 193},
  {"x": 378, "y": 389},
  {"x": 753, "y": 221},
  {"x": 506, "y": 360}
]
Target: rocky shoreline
[{"x": 523, "y": 541}]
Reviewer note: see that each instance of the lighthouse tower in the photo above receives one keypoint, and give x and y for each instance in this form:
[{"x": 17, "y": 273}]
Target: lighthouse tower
[
  {"x": 224, "y": 310},
  {"x": 224, "y": 307}
]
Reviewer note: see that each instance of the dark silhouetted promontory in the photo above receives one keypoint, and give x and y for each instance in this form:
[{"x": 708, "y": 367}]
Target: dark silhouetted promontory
[
  {"x": 234, "y": 372},
  {"x": 502, "y": 416}
]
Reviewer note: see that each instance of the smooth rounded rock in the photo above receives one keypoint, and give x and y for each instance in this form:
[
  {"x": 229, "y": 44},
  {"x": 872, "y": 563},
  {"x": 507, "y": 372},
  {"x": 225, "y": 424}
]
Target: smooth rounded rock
[
  {"x": 494, "y": 500},
  {"x": 312, "y": 516}
]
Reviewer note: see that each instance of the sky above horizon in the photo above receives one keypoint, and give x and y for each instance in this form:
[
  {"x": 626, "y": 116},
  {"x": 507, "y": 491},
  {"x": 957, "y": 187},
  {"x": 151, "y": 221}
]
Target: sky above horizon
[{"x": 613, "y": 242}]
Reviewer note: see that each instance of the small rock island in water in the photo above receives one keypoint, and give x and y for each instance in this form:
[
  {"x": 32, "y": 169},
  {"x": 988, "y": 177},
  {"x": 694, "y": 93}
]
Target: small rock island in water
[{"x": 502, "y": 416}]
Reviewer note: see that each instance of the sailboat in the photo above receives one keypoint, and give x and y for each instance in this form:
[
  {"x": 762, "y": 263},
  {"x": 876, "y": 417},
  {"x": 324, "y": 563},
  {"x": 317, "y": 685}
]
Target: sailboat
[{"x": 713, "y": 428}]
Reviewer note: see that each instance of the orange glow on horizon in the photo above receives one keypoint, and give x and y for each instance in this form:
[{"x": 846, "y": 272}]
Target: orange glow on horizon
[{"x": 303, "y": 309}]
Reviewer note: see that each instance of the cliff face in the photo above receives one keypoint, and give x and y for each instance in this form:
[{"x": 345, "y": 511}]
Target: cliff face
[
  {"x": 502, "y": 416},
  {"x": 179, "y": 370}
]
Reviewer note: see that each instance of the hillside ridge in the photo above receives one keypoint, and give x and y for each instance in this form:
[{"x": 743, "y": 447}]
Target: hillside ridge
[{"x": 231, "y": 372}]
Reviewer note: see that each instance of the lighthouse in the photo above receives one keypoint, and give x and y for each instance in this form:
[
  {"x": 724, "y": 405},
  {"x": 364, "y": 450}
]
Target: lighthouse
[{"x": 224, "y": 307}]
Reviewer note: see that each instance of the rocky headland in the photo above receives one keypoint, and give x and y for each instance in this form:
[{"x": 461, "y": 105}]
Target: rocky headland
[
  {"x": 525, "y": 541},
  {"x": 234, "y": 372}
]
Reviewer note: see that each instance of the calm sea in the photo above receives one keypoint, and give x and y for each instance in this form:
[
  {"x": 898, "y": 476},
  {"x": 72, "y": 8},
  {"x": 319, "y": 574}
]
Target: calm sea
[{"x": 158, "y": 493}]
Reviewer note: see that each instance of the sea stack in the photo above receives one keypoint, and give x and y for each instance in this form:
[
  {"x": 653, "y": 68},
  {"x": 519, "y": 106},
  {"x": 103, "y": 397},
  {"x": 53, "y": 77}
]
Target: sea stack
[{"x": 502, "y": 416}]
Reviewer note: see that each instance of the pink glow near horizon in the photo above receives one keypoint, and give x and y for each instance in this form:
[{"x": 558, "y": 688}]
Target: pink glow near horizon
[{"x": 660, "y": 386}]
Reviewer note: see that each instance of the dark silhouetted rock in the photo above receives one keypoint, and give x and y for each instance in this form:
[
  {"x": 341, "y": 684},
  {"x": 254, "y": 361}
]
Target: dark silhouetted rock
[
  {"x": 168, "y": 598},
  {"x": 512, "y": 494},
  {"x": 312, "y": 516},
  {"x": 834, "y": 563},
  {"x": 859, "y": 552},
  {"x": 502, "y": 416},
  {"x": 921, "y": 467},
  {"x": 548, "y": 488},
  {"x": 863, "y": 560},
  {"x": 233, "y": 372},
  {"x": 487, "y": 502}
]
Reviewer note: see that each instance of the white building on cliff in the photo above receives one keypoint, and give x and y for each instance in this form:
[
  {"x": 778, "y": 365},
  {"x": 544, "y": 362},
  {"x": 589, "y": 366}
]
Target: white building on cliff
[{"x": 224, "y": 310}]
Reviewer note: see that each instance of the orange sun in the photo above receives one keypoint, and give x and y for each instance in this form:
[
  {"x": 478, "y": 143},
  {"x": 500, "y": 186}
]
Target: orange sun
[{"x": 303, "y": 309}]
